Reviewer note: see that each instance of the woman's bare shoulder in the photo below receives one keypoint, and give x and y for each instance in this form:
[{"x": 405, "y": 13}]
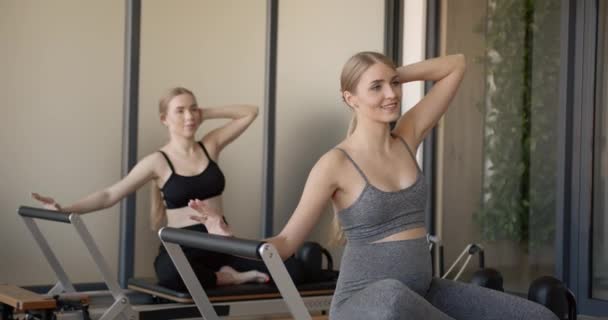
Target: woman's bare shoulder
[
  {"x": 154, "y": 161},
  {"x": 333, "y": 160}
]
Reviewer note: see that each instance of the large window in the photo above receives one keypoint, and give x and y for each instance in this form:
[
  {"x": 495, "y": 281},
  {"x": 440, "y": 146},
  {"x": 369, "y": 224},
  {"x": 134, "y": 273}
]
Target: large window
[
  {"x": 600, "y": 166},
  {"x": 497, "y": 145}
]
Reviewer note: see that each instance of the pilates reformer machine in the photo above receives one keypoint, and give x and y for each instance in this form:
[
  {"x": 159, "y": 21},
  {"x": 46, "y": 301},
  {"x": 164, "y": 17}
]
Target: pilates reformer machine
[
  {"x": 282, "y": 298},
  {"x": 241, "y": 300},
  {"x": 63, "y": 302},
  {"x": 547, "y": 290}
]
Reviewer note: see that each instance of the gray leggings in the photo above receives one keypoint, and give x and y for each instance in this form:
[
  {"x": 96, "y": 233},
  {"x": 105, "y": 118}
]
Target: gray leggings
[{"x": 392, "y": 280}]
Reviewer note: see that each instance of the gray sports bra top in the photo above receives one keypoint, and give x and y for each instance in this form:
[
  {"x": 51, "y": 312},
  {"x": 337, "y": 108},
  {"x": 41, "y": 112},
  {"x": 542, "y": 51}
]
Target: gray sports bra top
[{"x": 377, "y": 214}]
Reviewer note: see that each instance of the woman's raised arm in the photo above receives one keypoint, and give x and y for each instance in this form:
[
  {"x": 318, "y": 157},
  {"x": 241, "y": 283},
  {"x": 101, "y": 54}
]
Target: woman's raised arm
[
  {"x": 448, "y": 72},
  {"x": 242, "y": 116}
]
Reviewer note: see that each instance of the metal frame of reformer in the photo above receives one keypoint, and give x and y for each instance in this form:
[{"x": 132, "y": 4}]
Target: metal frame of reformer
[
  {"x": 121, "y": 307},
  {"x": 173, "y": 239},
  {"x": 471, "y": 249}
]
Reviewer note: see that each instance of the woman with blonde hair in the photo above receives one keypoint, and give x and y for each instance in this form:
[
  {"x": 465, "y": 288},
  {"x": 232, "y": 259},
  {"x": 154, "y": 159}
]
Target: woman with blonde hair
[
  {"x": 379, "y": 195},
  {"x": 186, "y": 176}
]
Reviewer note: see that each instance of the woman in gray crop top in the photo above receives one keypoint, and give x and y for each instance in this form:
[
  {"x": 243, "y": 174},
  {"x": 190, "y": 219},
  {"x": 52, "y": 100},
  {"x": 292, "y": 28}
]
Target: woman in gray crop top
[{"x": 379, "y": 196}]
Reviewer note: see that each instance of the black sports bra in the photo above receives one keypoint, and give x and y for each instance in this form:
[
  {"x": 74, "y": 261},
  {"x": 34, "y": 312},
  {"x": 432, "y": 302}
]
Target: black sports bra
[{"x": 178, "y": 190}]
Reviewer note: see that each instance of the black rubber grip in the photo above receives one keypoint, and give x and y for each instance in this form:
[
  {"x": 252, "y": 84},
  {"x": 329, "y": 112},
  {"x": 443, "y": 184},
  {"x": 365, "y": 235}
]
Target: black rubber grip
[
  {"x": 200, "y": 240},
  {"x": 44, "y": 214}
]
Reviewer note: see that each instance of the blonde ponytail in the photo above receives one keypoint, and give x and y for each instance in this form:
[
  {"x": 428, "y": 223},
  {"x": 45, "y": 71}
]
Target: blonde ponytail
[
  {"x": 157, "y": 208},
  {"x": 352, "y": 125},
  {"x": 337, "y": 235}
]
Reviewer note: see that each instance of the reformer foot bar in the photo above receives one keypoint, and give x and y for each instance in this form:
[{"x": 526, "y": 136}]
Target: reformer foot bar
[
  {"x": 173, "y": 239},
  {"x": 121, "y": 307}
]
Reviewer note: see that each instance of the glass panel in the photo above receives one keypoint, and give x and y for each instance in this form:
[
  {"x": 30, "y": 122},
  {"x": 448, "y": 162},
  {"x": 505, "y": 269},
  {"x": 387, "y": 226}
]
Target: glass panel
[
  {"x": 216, "y": 48},
  {"x": 600, "y": 166},
  {"x": 61, "y": 87},
  {"x": 310, "y": 115},
  {"x": 499, "y": 139}
]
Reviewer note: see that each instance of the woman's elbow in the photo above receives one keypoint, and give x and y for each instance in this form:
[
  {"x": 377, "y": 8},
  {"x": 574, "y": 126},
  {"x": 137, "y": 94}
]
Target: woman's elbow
[
  {"x": 254, "y": 110},
  {"x": 108, "y": 199},
  {"x": 249, "y": 113},
  {"x": 283, "y": 254},
  {"x": 283, "y": 249}
]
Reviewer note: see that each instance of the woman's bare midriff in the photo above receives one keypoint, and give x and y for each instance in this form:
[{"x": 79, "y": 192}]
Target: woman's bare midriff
[
  {"x": 180, "y": 218},
  {"x": 405, "y": 235}
]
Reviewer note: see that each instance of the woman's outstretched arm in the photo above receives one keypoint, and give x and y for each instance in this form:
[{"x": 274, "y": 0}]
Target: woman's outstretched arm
[
  {"x": 318, "y": 190},
  {"x": 319, "y": 187},
  {"x": 105, "y": 198}
]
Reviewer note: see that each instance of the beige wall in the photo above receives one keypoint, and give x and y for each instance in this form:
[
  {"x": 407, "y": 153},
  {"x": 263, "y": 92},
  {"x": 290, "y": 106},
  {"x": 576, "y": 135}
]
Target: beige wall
[
  {"x": 217, "y": 49},
  {"x": 62, "y": 96},
  {"x": 210, "y": 47},
  {"x": 315, "y": 40},
  {"x": 414, "y": 49},
  {"x": 60, "y": 133}
]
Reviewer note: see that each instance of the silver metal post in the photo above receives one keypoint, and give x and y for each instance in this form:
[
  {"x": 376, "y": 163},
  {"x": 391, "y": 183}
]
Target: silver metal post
[
  {"x": 194, "y": 286},
  {"x": 100, "y": 262},
  {"x": 283, "y": 281},
  {"x": 63, "y": 284}
]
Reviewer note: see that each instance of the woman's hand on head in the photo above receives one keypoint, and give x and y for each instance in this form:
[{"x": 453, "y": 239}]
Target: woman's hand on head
[
  {"x": 201, "y": 115},
  {"x": 47, "y": 202}
]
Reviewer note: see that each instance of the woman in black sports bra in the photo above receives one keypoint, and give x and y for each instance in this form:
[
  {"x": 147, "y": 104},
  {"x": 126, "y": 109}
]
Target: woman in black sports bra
[{"x": 186, "y": 176}]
